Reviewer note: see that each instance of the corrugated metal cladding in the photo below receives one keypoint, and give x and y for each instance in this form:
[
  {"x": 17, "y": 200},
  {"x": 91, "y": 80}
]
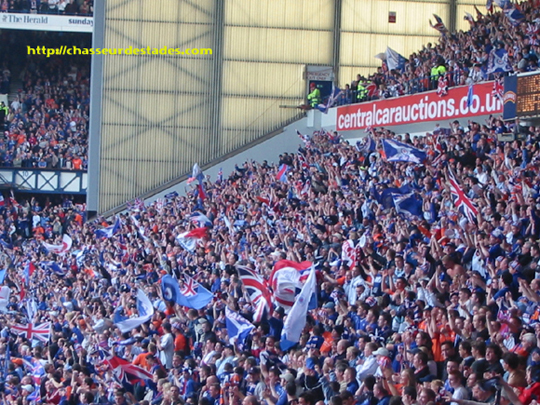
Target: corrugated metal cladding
[{"x": 160, "y": 113}]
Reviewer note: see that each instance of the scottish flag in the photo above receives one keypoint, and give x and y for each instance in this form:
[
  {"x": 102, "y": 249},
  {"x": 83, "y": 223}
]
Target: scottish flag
[
  {"x": 332, "y": 100},
  {"x": 53, "y": 267},
  {"x": 401, "y": 152},
  {"x": 515, "y": 16},
  {"x": 109, "y": 231},
  {"x": 367, "y": 146},
  {"x": 408, "y": 204},
  {"x": 238, "y": 327}
]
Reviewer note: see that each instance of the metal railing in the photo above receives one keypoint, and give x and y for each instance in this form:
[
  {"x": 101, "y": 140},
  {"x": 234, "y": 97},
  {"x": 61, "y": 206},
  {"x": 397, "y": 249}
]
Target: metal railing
[{"x": 395, "y": 88}]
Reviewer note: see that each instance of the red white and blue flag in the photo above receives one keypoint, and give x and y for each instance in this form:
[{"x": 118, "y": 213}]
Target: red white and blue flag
[
  {"x": 127, "y": 373},
  {"x": 257, "y": 290},
  {"x": 286, "y": 278},
  {"x": 282, "y": 173},
  {"x": 30, "y": 331},
  {"x": 60, "y": 249},
  {"x": 189, "y": 240},
  {"x": 461, "y": 201}
]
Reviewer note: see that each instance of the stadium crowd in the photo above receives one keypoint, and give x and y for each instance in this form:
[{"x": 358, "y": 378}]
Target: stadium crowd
[
  {"x": 46, "y": 125},
  {"x": 461, "y": 58},
  {"x": 422, "y": 308},
  {"x": 62, "y": 7}
]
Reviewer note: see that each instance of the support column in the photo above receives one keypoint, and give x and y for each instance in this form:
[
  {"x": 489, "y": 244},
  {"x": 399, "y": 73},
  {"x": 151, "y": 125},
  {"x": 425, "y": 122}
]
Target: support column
[
  {"x": 96, "y": 93},
  {"x": 337, "y": 38}
]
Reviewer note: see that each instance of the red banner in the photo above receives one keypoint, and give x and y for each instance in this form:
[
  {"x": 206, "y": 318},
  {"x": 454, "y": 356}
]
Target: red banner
[{"x": 421, "y": 107}]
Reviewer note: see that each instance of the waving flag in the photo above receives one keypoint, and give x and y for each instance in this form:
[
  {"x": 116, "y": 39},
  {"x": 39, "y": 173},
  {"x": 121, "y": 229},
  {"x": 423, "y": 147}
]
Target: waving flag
[
  {"x": 171, "y": 195},
  {"x": 468, "y": 17},
  {"x": 170, "y": 288},
  {"x": 197, "y": 174},
  {"x": 53, "y": 267},
  {"x": 146, "y": 312},
  {"x": 109, "y": 231},
  {"x": 5, "y": 293},
  {"x": 439, "y": 25},
  {"x": 238, "y": 327},
  {"x": 514, "y": 15},
  {"x": 401, "y": 152},
  {"x": 442, "y": 86},
  {"x": 367, "y": 146},
  {"x": 461, "y": 201},
  {"x": 286, "y": 277},
  {"x": 349, "y": 253},
  {"x": 200, "y": 219},
  {"x": 126, "y": 373},
  {"x": 498, "y": 61},
  {"x": 296, "y": 319},
  {"x": 29, "y": 269},
  {"x": 61, "y": 249},
  {"x": 304, "y": 138},
  {"x": 332, "y": 100},
  {"x": 498, "y": 89},
  {"x": 41, "y": 332},
  {"x": 408, "y": 204},
  {"x": 189, "y": 240},
  {"x": 470, "y": 96},
  {"x": 193, "y": 295},
  {"x": 282, "y": 173},
  {"x": 257, "y": 290},
  {"x": 394, "y": 60}
]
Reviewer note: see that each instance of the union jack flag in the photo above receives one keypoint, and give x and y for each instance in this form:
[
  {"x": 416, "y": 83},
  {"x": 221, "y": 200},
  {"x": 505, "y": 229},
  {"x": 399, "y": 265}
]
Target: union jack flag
[
  {"x": 257, "y": 290},
  {"x": 40, "y": 332},
  {"x": 126, "y": 373},
  {"x": 189, "y": 289},
  {"x": 442, "y": 86},
  {"x": 461, "y": 201},
  {"x": 439, "y": 26},
  {"x": 498, "y": 89}
]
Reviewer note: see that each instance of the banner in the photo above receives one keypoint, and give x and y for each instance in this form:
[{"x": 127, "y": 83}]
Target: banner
[
  {"x": 510, "y": 97},
  {"x": 47, "y": 22},
  {"x": 417, "y": 108}
]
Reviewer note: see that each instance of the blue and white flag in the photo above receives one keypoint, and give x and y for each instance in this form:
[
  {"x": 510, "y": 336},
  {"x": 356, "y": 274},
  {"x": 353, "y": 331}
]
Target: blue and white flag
[
  {"x": 200, "y": 219},
  {"x": 504, "y": 4},
  {"x": 408, "y": 204},
  {"x": 171, "y": 195},
  {"x": 296, "y": 319},
  {"x": 470, "y": 96},
  {"x": 367, "y": 146},
  {"x": 53, "y": 267},
  {"x": 3, "y": 273},
  {"x": 394, "y": 60},
  {"x": 332, "y": 100},
  {"x": 109, "y": 231},
  {"x": 145, "y": 309},
  {"x": 401, "y": 152},
  {"x": 238, "y": 327},
  {"x": 498, "y": 61},
  {"x": 515, "y": 16}
]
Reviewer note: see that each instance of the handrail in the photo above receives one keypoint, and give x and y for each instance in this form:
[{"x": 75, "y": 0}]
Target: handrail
[{"x": 404, "y": 88}]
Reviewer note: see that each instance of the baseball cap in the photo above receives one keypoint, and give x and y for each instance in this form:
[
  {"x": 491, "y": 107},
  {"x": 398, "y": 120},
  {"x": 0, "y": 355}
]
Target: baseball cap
[
  {"x": 287, "y": 376},
  {"x": 381, "y": 351}
]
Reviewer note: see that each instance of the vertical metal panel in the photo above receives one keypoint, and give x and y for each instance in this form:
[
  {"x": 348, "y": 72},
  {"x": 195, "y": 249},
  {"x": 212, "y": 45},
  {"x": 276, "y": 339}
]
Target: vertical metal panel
[
  {"x": 161, "y": 113},
  {"x": 367, "y": 32}
]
